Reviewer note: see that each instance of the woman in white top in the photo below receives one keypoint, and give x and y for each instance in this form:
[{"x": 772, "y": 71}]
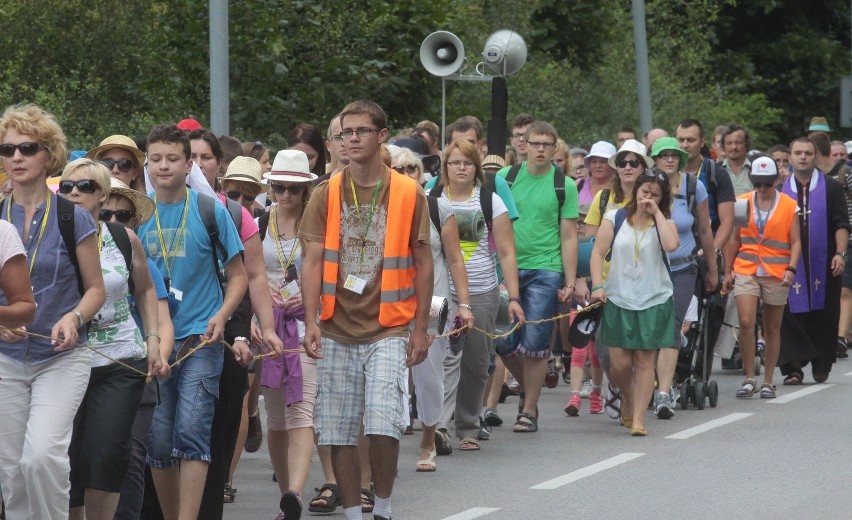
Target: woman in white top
[{"x": 638, "y": 318}]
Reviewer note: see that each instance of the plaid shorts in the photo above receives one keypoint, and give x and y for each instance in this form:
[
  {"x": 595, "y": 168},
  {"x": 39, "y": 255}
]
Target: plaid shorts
[{"x": 360, "y": 383}]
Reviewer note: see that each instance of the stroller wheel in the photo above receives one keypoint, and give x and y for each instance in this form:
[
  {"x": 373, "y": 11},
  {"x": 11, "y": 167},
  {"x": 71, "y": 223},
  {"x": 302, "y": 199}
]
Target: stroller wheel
[
  {"x": 699, "y": 395},
  {"x": 713, "y": 393},
  {"x": 758, "y": 364},
  {"x": 685, "y": 390}
]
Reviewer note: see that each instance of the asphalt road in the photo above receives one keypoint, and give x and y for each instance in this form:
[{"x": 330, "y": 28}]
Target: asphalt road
[{"x": 750, "y": 459}]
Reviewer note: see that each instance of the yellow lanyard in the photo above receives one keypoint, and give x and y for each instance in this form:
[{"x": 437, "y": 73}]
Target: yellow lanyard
[
  {"x": 472, "y": 192},
  {"x": 369, "y": 218},
  {"x": 179, "y": 234},
  {"x": 100, "y": 237},
  {"x": 40, "y": 232},
  {"x": 637, "y": 241},
  {"x": 273, "y": 224}
]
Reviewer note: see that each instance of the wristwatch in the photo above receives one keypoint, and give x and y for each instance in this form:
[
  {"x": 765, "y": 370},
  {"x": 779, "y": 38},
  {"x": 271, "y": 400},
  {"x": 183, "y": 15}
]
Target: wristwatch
[
  {"x": 841, "y": 254},
  {"x": 241, "y": 338}
]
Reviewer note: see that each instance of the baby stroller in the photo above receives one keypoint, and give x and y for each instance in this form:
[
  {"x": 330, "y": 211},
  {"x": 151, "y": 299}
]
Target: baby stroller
[{"x": 695, "y": 360}]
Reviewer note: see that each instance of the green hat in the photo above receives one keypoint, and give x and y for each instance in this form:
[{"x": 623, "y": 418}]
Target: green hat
[{"x": 669, "y": 143}]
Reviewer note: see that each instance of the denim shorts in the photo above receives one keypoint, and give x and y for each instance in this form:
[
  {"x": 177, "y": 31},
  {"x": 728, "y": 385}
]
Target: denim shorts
[
  {"x": 539, "y": 300},
  {"x": 183, "y": 418},
  {"x": 360, "y": 383}
]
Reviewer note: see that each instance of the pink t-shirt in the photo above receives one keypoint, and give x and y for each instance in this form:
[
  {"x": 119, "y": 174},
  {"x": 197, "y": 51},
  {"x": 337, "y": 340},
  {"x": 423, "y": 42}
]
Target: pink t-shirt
[{"x": 249, "y": 226}]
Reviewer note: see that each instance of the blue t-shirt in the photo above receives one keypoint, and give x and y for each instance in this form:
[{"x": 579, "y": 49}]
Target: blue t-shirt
[
  {"x": 501, "y": 187},
  {"x": 684, "y": 219},
  {"x": 191, "y": 273},
  {"x": 159, "y": 288}
]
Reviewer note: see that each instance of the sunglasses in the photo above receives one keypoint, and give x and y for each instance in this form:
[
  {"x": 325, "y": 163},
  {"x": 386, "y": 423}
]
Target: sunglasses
[
  {"x": 280, "y": 189},
  {"x": 124, "y": 165},
  {"x": 654, "y": 175},
  {"x": 408, "y": 168},
  {"x": 122, "y": 215},
  {"x": 27, "y": 149},
  {"x": 668, "y": 155},
  {"x": 83, "y": 186},
  {"x": 622, "y": 163},
  {"x": 235, "y": 195}
]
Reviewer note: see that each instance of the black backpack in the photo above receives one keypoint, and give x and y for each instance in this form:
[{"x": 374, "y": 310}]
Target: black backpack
[{"x": 558, "y": 185}]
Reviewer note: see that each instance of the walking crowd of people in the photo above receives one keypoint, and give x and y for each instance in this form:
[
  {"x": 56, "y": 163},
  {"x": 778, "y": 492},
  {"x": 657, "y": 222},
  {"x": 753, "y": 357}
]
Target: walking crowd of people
[{"x": 154, "y": 289}]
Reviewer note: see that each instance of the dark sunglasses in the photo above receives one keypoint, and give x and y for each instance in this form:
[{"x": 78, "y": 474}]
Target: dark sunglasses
[
  {"x": 408, "y": 168},
  {"x": 654, "y": 175},
  {"x": 280, "y": 189},
  {"x": 122, "y": 215},
  {"x": 235, "y": 195},
  {"x": 668, "y": 155},
  {"x": 27, "y": 149},
  {"x": 124, "y": 165},
  {"x": 622, "y": 163},
  {"x": 84, "y": 186}
]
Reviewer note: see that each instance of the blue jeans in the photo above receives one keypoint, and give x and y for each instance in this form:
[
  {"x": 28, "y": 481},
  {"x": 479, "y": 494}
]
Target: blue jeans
[
  {"x": 183, "y": 418},
  {"x": 539, "y": 300}
]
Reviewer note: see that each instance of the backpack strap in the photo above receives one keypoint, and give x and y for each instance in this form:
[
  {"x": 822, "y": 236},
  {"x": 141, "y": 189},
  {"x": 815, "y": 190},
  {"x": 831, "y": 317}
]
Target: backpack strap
[
  {"x": 65, "y": 221},
  {"x": 604, "y": 201},
  {"x": 691, "y": 186},
  {"x": 436, "y": 190},
  {"x": 513, "y": 174},
  {"x": 559, "y": 187},
  {"x": 122, "y": 241},
  {"x": 620, "y": 217},
  {"x": 207, "y": 211},
  {"x": 490, "y": 182},
  {"x": 712, "y": 179},
  {"x": 433, "y": 213},
  {"x": 262, "y": 224}
]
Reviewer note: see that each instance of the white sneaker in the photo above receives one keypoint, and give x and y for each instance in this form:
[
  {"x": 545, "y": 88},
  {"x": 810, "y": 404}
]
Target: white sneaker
[
  {"x": 663, "y": 406},
  {"x": 587, "y": 389},
  {"x": 612, "y": 404}
]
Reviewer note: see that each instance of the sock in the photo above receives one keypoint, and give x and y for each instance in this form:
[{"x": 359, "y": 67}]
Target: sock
[
  {"x": 353, "y": 513},
  {"x": 575, "y": 392},
  {"x": 596, "y": 388},
  {"x": 382, "y": 507}
]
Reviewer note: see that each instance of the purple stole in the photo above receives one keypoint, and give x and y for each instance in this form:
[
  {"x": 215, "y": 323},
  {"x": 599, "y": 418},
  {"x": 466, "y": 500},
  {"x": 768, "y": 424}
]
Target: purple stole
[
  {"x": 286, "y": 370},
  {"x": 809, "y": 294}
]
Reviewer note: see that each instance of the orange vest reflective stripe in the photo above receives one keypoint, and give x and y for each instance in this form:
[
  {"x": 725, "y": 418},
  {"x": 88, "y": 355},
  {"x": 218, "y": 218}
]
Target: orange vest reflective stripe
[
  {"x": 772, "y": 251},
  {"x": 397, "y": 304}
]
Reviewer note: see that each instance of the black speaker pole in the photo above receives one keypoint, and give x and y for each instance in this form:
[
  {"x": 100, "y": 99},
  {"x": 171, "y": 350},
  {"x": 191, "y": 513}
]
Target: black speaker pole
[{"x": 497, "y": 124}]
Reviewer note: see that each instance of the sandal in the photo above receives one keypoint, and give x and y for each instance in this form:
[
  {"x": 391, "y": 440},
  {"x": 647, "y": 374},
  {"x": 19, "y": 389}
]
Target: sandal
[
  {"x": 368, "y": 500},
  {"x": 323, "y": 503},
  {"x": 638, "y": 432},
  {"x": 230, "y": 494},
  {"x": 627, "y": 422},
  {"x": 469, "y": 444},
  {"x": 427, "y": 464},
  {"x": 767, "y": 391},
  {"x": 526, "y": 422},
  {"x": 442, "y": 442},
  {"x": 747, "y": 390},
  {"x": 794, "y": 378}
]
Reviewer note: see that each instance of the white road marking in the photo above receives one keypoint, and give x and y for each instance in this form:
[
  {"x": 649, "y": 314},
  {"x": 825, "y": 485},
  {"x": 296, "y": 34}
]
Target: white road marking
[
  {"x": 709, "y": 425},
  {"x": 786, "y": 398},
  {"x": 470, "y": 514},
  {"x": 848, "y": 374},
  {"x": 587, "y": 471}
]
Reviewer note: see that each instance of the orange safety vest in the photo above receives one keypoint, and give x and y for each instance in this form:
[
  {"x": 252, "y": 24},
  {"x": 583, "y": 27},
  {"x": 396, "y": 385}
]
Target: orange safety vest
[
  {"x": 773, "y": 249},
  {"x": 397, "y": 304}
]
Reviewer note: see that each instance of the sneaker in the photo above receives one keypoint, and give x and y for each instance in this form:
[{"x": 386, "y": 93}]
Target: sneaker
[
  {"x": 379, "y": 517},
  {"x": 442, "y": 442},
  {"x": 492, "y": 418},
  {"x": 551, "y": 377},
  {"x": 255, "y": 434},
  {"x": 291, "y": 505},
  {"x": 842, "y": 348},
  {"x": 587, "y": 388},
  {"x": 573, "y": 406},
  {"x": 484, "y": 430},
  {"x": 613, "y": 402},
  {"x": 663, "y": 406},
  {"x": 566, "y": 368},
  {"x": 595, "y": 402}
]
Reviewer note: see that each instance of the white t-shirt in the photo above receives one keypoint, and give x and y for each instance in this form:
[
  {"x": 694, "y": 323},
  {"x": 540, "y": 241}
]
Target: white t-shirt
[
  {"x": 478, "y": 260},
  {"x": 10, "y": 243},
  {"x": 442, "y": 275},
  {"x": 290, "y": 252}
]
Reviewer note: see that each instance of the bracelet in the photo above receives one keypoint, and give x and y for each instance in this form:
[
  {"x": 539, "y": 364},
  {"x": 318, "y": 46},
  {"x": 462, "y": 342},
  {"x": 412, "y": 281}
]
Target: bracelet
[
  {"x": 791, "y": 269},
  {"x": 465, "y": 306},
  {"x": 516, "y": 300},
  {"x": 596, "y": 287},
  {"x": 569, "y": 286},
  {"x": 152, "y": 334},
  {"x": 80, "y": 319},
  {"x": 241, "y": 338}
]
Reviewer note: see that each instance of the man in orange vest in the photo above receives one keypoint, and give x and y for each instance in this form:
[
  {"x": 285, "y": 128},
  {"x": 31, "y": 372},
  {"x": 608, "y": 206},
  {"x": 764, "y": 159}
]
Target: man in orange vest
[{"x": 367, "y": 258}]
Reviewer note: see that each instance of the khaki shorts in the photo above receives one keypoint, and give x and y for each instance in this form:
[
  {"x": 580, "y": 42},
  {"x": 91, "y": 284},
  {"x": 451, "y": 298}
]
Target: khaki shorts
[{"x": 769, "y": 289}]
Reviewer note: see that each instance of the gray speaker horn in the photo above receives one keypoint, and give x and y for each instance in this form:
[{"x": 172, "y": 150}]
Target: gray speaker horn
[
  {"x": 505, "y": 52},
  {"x": 442, "y": 53}
]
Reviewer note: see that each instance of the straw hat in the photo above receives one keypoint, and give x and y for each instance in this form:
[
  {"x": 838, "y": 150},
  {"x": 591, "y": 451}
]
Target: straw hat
[
  {"x": 290, "y": 166},
  {"x": 118, "y": 141},
  {"x": 244, "y": 169},
  {"x": 141, "y": 203}
]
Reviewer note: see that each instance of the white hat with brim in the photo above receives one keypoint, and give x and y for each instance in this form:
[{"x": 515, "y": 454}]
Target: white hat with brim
[
  {"x": 118, "y": 141},
  {"x": 244, "y": 169},
  {"x": 143, "y": 206},
  {"x": 290, "y": 166},
  {"x": 635, "y": 147},
  {"x": 601, "y": 149}
]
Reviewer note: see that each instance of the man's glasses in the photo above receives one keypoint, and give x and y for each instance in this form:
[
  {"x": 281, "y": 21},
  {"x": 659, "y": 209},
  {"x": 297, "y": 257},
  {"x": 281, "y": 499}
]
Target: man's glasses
[
  {"x": 540, "y": 144},
  {"x": 27, "y": 149},
  {"x": 362, "y": 132},
  {"x": 281, "y": 189},
  {"x": 83, "y": 186},
  {"x": 235, "y": 195},
  {"x": 124, "y": 165},
  {"x": 407, "y": 168},
  {"x": 122, "y": 215},
  {"x": 623, "y": 163},
  {"x": 518, "y": 135}
]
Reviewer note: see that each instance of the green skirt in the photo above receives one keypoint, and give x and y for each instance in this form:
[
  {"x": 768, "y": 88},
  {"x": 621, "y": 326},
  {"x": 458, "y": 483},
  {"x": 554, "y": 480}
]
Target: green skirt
[{"x": 648, "y": 329}]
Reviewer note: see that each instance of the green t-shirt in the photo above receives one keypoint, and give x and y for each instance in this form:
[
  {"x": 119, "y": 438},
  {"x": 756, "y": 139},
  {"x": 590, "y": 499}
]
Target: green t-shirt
[{"x": 537, "y": 240}]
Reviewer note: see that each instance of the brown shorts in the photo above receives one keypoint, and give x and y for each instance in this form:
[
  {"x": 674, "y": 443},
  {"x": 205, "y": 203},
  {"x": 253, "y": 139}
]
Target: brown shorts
[{"x": 768, "y": 288}]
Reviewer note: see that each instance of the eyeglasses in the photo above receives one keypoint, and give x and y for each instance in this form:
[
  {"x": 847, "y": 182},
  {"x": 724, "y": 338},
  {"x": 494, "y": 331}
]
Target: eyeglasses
[
  {"x": 622, "y": 163},
  {"x": 27, "y": 149},
  {"x": 83, "y": 186},
  {"x": 362, "y": 132},
  {"x": 540, "y": 144},
  {"x": 458, "y": 164},
  {"x": 407, "y": 168},
  {"x": 124, "y": 165},
  {"x": 337, "y": 138},
  {"x": 235, "y": 195},
  {"x": 518, "y": 135},
  {"x": 121, "y": 215},
  {"x": 281, "y": 189},
  {"x": 668, "y": 155},
  {"x": 655, "y": 175}
]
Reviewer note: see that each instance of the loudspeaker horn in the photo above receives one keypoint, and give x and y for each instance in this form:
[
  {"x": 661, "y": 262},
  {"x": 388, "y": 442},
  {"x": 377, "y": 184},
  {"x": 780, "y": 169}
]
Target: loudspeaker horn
[
  {"x": 505, "y": 52},
  {"x": 442, "y": 53}
]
